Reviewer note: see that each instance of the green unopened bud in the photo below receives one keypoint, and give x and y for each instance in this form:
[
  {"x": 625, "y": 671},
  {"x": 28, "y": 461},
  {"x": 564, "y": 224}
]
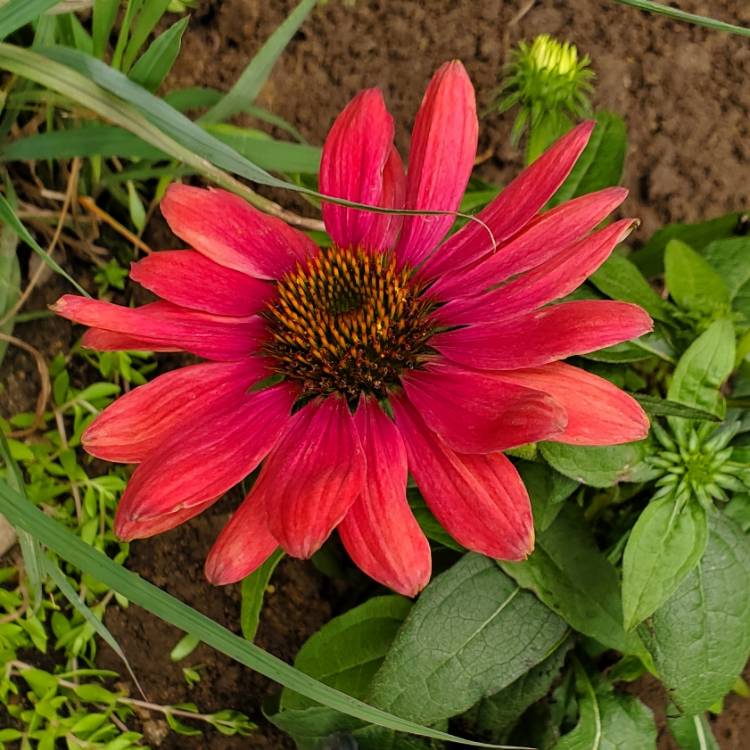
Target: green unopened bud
[{"x": 551, "y": 84}]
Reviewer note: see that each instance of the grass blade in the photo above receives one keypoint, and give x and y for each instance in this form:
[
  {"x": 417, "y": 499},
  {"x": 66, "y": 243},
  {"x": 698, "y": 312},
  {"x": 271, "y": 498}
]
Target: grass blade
[
  {"x": 60, "y": 540},
  {"x": 8, "y": 216},
  {"x": 17, "y": 13},
  {"x": 253, "y": 594},
  {"x": 682, "y": 15},
  {"x": 249, "y": 84},
  {"x": 103, "y": 20},
  {"x": 152, "y": 67},
  {"x": 149, "y": 16},
  {"x": 108, "y": 141}
]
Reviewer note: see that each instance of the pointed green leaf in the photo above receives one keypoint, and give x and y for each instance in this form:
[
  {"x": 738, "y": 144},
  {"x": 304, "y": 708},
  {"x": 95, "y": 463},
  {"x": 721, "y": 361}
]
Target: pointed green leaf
[
  {"x": 599, "y": 466},
  {"x": 691, "y": 732},
  {"x": 609, "y": 721},
  {"x": 346, "y": 652},
  {"x": 665, "y": 544},
  {"x": 701, "y": 372},
  {"x": 472, "y": 632},
  {"x": 692, "y": 281},
  {"x": 252, "y": 593},
  {"x": 700, "y": 637},
  {"x": 572, "y": 577},
  {"x": 601, "y": 163},
  {"x": 620, "y": 278},
  {"x": 152, "y": 67},
  {"x": 249, "y": 84}
]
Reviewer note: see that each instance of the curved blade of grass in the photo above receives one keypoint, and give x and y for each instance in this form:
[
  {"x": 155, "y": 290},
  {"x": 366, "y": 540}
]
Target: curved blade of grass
[
  {"x": 7, "y": 215},
  {"x": 54, "y": 572},
  {"x": 108, "y": 141},
  {"x": 31, "y": 550},
  {"x": 70, "y": 83},
  {"x": 682, "y": 15},
  {"x": 17, "y": 13},
  {"x": 249, "y": 84},
  {"x": 60, "y": 540},
  {"x": 167, "y": 119}
]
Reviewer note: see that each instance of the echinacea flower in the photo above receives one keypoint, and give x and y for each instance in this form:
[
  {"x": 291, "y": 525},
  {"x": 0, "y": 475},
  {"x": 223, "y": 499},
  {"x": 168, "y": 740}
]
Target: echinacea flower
[{"x": 338, "y": 371}]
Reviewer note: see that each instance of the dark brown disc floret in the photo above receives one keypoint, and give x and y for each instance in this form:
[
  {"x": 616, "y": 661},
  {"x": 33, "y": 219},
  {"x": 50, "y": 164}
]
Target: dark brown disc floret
[{"x": 350, "y": 321}]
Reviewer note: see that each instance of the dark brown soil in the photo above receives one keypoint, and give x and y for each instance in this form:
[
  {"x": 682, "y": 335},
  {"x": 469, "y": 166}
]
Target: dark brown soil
[{"x": 684, "y": 94}]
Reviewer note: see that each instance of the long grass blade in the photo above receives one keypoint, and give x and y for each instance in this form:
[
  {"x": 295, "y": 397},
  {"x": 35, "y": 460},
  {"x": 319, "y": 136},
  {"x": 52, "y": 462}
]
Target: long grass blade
[
  {"x": 8, "y": 216},
  {"x": 60, "y": 540},
  {"x": 17, "y": 13},
  {"x": 108, "y": 141},
  {"x": 682, "y": 15},
  {"x": 249, "y": 84}
]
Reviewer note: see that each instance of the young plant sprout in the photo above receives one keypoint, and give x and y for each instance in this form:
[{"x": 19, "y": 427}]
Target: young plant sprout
[
  {"x": 551, "y": 85},
  {"x": 336, "y": 370}
]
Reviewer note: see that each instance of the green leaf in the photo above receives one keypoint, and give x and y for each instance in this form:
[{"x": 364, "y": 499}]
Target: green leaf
[
  {"x": 54, "y": 535},
  {"x": 150, "y": 15},
  {"x": 620, "y": 278},
  {"x": 104, "y": 16},
  {"x": 700, "y": 637},
  {"x": 152, "y": 67},
  {"x": 731, "y": 260},
  {"x": 323, "y": 729},
  {"x": 17, "y": 13},
  {"x": 665, "y": 544},
  {"x": 249, "y": 84},
  {"x": 662, "y": 407},
  {"x": 701, "y": 371},
  {"x": 601, "y": 163},
  {"x": 572, "y": 577},
  {"x": 184, "y": 647},
  {"x": 691, "y": 280},
  {"x": 347, "y": 651},
  {"x": 252, "y": 593},
  {"x": 609, "y": 721},
  {"x": 496, "y": 715},
  {"x": 599, "y": 466},
  {"x": 650, "y": 258},
  {"x": 681, "y": 15},
  {"x": 472, "y": 632},
  {"x": 548, "y": 490},
  {"x": 691, "y": 732}
]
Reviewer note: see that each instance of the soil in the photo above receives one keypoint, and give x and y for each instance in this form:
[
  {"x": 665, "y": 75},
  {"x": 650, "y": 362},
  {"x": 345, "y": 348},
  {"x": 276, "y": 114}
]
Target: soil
[{"x": 683, "y": 92}]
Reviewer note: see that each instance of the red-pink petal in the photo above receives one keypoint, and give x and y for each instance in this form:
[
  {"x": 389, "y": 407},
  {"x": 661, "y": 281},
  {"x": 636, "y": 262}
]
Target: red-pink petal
[
  {"x": 191, "y": 280},
  {"x": 443, "y": 146},
  {"x": 550, "y": 281},
  {"x": 380, "y": 532},
  {"x": 137, "y": 423},
  {"x": 479, "y": 499},
  {"x": 385, "y": 227},
  {"x": 355, "y": 154},
  {"x": 544, "y": 336},
  {"x": 518, "y": 203},
  {"x": 477, "y": 412},
  {"x": 598, "y": 412},
  {"x": 109, "y": 341},
  {"x": 540, "y": 241},
  {"x": 127, "y": 529},
  {"x": 162, "y": 324},
  {"x": 193, "y": 466},
  {"x": 227, "y": 229},
  {"x": 312, "y": 477},
  {"x": 244, "y": 544}
]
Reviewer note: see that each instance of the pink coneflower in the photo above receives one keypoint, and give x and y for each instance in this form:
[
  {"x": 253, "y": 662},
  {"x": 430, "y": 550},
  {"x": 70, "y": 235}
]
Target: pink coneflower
[{"x": 339, "y": 371}]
